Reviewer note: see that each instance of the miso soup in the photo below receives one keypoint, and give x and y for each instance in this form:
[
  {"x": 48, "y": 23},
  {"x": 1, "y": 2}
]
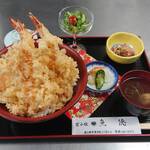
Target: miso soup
[{"x": 137, "y": 91}]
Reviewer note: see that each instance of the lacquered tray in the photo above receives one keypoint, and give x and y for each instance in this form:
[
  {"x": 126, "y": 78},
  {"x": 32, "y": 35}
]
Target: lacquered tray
[{"x": 60, "y": 128}]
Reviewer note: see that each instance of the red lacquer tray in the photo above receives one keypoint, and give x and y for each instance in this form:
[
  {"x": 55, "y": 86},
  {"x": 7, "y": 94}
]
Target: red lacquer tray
[{"x": 60, "y": 128}]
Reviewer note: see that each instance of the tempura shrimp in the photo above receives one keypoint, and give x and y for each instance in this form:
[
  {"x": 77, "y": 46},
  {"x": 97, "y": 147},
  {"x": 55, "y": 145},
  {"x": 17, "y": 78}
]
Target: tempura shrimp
[
  {"x": 47, "y": 39},
  {"x": 26, "y": 41}
]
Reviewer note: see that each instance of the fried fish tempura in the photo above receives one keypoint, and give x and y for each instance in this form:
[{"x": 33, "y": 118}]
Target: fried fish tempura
[{"x": 36, "y": 81}]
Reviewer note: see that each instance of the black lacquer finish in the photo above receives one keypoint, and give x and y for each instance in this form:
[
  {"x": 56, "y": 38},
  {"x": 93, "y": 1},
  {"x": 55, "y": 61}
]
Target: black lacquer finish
[{"x": 113, "y": 106}]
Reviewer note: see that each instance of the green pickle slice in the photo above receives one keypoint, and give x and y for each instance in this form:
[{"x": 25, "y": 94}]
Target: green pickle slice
[{"x": 99, "y": 79}]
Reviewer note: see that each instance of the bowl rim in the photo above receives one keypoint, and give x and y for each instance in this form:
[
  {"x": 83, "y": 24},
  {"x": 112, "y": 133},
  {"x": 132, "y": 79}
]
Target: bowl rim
[
  {"x": 122, "y": 93},
  {"x": 74, "y": 99},
  {"x": 125, "y": 33},
  {"x": 109, "y": 66}
]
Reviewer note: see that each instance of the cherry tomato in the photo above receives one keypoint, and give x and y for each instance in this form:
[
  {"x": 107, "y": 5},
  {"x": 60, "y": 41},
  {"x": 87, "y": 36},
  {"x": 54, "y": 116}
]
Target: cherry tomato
[{"x": 73, "y": 20}]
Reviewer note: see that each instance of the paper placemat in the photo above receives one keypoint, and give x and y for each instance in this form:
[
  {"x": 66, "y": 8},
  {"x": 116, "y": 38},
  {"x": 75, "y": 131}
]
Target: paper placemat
[{"x": 89, "y": 101}]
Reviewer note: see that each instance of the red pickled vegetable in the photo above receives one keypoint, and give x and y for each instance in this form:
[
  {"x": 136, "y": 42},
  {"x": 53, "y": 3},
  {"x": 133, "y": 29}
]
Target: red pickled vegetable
[{"x": 73, "y": 20}]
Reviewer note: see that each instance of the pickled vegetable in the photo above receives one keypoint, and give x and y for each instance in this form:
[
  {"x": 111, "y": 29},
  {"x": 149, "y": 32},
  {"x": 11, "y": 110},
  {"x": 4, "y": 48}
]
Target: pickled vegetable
[
  {"x": 99, "y": 79},
  {"x": 75, "y": 22}
]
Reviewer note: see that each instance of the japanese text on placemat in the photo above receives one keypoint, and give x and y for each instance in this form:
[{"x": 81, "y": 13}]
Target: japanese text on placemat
[{"x": 106, "y": 125}]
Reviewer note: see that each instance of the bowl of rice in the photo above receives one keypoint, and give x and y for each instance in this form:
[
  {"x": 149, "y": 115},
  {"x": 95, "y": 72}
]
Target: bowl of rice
[
  {"x": 74, "y": 93},
  {"x": 40, "y": 80}
]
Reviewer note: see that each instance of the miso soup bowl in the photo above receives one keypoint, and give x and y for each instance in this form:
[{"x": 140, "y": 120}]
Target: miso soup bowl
[{"x": 134, "y": 107}]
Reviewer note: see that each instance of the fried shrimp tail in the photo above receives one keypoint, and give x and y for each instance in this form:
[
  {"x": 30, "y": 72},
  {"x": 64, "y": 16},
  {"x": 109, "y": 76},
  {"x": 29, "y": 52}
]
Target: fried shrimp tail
[
  {"x": 35, "y": 21},
  {"x": 17, "y": 25}
]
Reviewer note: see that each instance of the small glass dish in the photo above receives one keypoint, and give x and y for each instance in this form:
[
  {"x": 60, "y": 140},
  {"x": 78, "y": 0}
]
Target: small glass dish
[{"x": 75, "y": 21}]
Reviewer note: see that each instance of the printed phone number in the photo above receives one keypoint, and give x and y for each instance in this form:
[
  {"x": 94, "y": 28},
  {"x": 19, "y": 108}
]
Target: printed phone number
[{"x": 109, "y": 132}]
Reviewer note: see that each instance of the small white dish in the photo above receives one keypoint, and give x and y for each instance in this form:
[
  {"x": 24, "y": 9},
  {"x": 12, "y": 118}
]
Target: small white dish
[
  {"x": 111, "y": 76},
  {"x": 11, "y": 38}
]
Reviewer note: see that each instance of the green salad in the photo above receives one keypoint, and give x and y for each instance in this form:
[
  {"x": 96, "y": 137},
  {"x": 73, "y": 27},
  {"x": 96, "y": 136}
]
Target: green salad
[{"x": 75, "y": 22}]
